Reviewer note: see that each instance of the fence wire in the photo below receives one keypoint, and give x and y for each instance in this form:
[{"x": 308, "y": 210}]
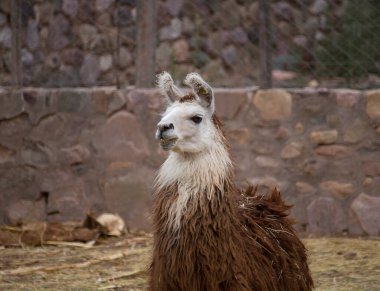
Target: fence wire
[{"x": 290, "y": 43}]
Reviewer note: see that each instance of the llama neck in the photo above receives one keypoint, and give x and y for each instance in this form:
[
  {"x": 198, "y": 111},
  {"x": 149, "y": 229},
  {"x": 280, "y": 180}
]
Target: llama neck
[
  {"x": 196, "y": 176},
  {"x": 196, "y": 173}
]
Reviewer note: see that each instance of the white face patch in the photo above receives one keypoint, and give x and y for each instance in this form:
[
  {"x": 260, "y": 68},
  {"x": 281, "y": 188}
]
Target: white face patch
[{"x": 191, "y": 137}]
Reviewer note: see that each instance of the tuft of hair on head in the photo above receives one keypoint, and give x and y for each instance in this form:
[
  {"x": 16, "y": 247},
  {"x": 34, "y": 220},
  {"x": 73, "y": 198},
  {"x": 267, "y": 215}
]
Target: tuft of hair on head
[
  {"x": 202, "y": 89},
  {"x": 166, "y": 85}
]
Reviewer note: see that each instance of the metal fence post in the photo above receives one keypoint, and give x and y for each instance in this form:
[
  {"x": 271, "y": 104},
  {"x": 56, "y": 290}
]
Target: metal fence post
[
  {"x": 146, "y": 43},
  {"x": 16, "y": 43},
  {"x": 265, "y": 79}
]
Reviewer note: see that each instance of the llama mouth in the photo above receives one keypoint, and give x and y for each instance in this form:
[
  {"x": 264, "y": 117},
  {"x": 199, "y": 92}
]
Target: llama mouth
[{"x": 167, "y": 144}]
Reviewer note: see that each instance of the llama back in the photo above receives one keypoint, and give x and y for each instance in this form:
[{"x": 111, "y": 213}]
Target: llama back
[{"x": 266, "y": 221}]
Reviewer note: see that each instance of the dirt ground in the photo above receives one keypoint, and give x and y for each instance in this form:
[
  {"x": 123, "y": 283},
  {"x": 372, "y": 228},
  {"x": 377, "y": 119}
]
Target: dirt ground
[{"x": 121, "y": 264}]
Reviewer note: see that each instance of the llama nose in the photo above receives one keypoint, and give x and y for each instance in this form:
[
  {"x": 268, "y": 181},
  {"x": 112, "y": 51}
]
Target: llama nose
[{"x": 164, "y": 127}]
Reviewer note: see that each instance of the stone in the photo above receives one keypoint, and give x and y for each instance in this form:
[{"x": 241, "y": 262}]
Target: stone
[
  {"x": 319, "y": 6},
  {"x": 338, "y": 151},
  {"x": 283, "y": 11},
  {"x": 226, "y": 17},
  {"x": 292, "y": 150},
  {"x": 125, "y": 58},
  {"x": 282, "y": 133},
  {"x": 27, "y": 58},
  {"x": 89, "y": 71},
  {"x": 6, "y": 37},
  {"x": 3, "y": 19},
  {"x": 121, "y": 139},
  {"x": 341, "y": 190},
  {"x": 70, "y": 7},
  {"x": 314, "y": 167},
  {"x": 201, "y": 59},
  {"x": 32, "y": 35},
  {"x": 301, "y": 41},
  {"x": 371, "y": 167},
  {"x": 105, "y": 62},
  {"x": 59, "y": 28},
  {"x": 6, "y": 6},
  {"x": 299, "y": 127},
  {"x": 11, "y": 104},
  {"x": 356, "y": 131},
  {"x": 188, "y": 26},
  {"x": 72, "y": 100},
  {"x": 229, "y": 55},
  {"x": 347, "y": 98},
  {"x": 75, "y": 155},
  {"x": 164, "y": 55},
  {"x": 367, "y": 181},
  {"x": 324, "y": 136},
  {"x": 174, "y": 6},
  {"x": 171, "y": 32},
  {"x": 304, "y": 187},
  {"x": 230, "y": 101},
  {"x": 239, "y": 36},
  {"x": 6, "y": 155},
  {"x": 38, "y": 105},
  {"x": 181, "y": 50},
  {"x": 216, "y": 41},
  {"x": 53, "y": 60},
  {"x": 122, "y": 16},
  {"x": 325, "y": 216},
  {"x": 266, "y": 162},
  {"x": 214, "y": 72},
  {"x": 285, "y": 29},
  {"x": 273, "y": 104},
  {"x": 367, "y": 211},
  {"x": 36, "y": 155},
  {"x": 102, "y": 5},
  {"x": 116, "y": 102},
  {"x": 87, "y": 34},
  {"x": 267, "y": 183},
  {"x": 22, "y": 212},
  {"x": 238, "y": 135},
  {"x": 373, "y": 104},
  {"x": 68, "y": 202},
  {"x": 129, "y": 195},
  {"x": 282, "y": 76},
  {"x": 72, "y": 56}
]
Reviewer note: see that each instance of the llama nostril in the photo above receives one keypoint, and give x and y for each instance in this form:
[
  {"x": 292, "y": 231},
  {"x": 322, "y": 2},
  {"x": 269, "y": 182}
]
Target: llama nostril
[{"x": 166, "y": 127}]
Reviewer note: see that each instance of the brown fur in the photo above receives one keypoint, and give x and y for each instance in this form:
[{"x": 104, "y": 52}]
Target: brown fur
[
  {"x": 235, "y": 241},
  {"x": 187, "y": 98}
]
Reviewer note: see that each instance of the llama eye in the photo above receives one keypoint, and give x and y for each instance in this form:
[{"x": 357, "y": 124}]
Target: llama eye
[{"x": 196, "y": 119}]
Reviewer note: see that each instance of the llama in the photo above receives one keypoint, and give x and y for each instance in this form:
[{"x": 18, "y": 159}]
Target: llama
[{"x": 208, "y": 234}]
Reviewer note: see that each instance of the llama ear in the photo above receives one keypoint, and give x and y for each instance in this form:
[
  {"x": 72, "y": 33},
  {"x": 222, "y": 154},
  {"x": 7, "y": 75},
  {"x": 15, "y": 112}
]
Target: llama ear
[
  {"x": 202, "y": 90},
  {"x": 166, "y": 85}
]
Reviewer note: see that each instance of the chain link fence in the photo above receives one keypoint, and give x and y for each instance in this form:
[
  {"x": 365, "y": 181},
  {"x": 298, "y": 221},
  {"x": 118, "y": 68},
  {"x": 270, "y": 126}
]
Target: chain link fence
[{"x": 292, "y": 43}]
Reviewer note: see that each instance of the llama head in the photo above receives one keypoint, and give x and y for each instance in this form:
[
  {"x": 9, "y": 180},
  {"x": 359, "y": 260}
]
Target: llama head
[{"x": 187, "y": 125}]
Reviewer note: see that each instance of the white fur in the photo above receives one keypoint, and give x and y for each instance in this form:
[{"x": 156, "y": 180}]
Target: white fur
[
  {"x": 191, "y": 137},
  {"x": 166, "y": 84},
  {"x": 195, "y": 81}
]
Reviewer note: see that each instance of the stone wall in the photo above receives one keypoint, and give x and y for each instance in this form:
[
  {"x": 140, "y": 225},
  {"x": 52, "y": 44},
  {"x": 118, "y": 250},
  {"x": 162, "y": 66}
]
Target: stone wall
[
  {"x": 64, "y": 152},
  {"x": 82, "y": 43}
]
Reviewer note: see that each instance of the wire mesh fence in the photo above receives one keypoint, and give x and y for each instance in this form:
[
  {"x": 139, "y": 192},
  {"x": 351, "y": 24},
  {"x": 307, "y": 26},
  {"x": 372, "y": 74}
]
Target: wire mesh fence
[{"x": 288, "y": 43}]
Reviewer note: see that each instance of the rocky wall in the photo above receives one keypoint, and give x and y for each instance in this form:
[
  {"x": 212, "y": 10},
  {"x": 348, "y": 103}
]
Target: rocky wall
[
  {"x": 65, "y": 152},
  {"x": 84, "y": 43}
]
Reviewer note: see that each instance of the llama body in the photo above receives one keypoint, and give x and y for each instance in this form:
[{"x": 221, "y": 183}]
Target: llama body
[{"x": 207, "y": 234}]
